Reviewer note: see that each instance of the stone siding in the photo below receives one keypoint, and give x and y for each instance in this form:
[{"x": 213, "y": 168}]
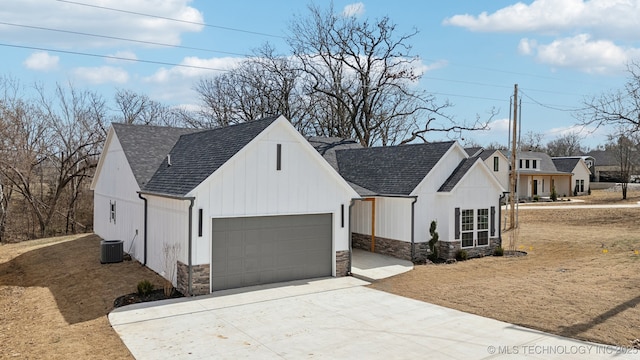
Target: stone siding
[
  {"x": 385, "y": 246},
  {"x": 199, "y": 279},
  {"x": 449, "y": 249},
  {"x": 342, "y": 263}
]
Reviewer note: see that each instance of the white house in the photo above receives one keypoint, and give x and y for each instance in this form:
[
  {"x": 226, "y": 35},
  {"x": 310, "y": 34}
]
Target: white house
[
  {"x": 497, "y": 162},
  {"x": 579, "y": 169},
  {"x": 404, "y": 188},
  {"x": 246, "y": 204}
]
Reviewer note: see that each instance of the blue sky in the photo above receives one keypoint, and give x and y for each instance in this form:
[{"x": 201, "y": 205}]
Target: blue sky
[{"x": 472, "y": 52}]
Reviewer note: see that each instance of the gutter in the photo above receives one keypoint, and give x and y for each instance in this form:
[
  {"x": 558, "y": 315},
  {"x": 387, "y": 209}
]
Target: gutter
[
  {"x": 191, "y": 200},
  {"x": 144, "y": 228}
]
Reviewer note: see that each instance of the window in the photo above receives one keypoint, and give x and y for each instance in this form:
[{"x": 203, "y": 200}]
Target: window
[
  {"x": 112, "y": 211},
  {"x": 474, "y": 230},
  {"x": 466, "y": 226},
  {"x": 581, "y": 185},
  {"x": 534, "y": 164},
  {"x": 496, "y": 163},
  {"x": 483, "y": 227},
  {"x": 520, "y": 163},
  {"x": 527, "y": 163}
]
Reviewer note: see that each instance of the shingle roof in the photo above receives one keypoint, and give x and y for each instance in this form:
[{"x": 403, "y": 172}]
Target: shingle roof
[
  {"x": 566, "y": 164},
  {"x": 145, "y": 146},
  {"x": 545, "y": 163},
  {"x": 327, "y": 147},
  {"x": 604, "y": 158},
  {"x": 392, "y": 169},
  {"x": 458, "y": 174},
  {"x": 473, "y": 151},
  {"x": 196, "y": 156}
]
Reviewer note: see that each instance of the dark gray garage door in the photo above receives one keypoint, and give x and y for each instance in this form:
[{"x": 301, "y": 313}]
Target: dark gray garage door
[{"x": 267, "y": 249}]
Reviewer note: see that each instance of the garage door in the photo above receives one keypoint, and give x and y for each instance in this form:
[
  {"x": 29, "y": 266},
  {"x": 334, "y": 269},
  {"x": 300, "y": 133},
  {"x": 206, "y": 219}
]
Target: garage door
[{"x": 261, "y": 250}]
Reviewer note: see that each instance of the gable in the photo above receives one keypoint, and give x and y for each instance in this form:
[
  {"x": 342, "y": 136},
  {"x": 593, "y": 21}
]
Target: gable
[
  {"x": 474, "y": 171},
  {"x": 197, "y": 155}
]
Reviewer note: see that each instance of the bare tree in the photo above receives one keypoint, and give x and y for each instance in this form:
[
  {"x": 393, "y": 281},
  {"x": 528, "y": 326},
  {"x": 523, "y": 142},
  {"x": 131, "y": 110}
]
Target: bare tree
[
  {"x": 364, "y": 76},
  {"x": 566, "y": 145},
  {"x": 532, "y": 141},
  {"x": 619, "y": 109},
  {"x": 625, "y": 150},
  {"x": 138, "y": 108}
]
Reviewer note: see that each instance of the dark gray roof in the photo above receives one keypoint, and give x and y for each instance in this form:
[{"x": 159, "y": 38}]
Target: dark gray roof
[
  {"x": 473, "y": 151},
  {"x": 566, "y": 164},
  {"x": 545, "y": 163},
  {"x": 196, "y": 156},
  {"x": 458, "y": 174},
  {"x": 390, "y": 170},
  {"x": 604, "y": 158},
  {"x": 484, "y": 155},
  {"x": 327, "y": 147},
  {"x": 146, "y": 146}
]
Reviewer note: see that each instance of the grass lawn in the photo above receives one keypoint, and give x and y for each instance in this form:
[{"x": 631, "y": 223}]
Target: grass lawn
[{"x": 581, "y": 279}]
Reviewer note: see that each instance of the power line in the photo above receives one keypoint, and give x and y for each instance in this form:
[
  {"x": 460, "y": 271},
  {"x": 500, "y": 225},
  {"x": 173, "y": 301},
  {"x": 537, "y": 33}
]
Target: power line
[
  {"x": 548, "y": 106},
  {"x": 113, "y": 57},
  {"x": 171, "y": 19},
  {"x": 120, "y": 38}
]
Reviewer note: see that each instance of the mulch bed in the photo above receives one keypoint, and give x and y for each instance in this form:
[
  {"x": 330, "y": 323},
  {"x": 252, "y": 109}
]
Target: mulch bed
[{"x": 135, "y": 298}]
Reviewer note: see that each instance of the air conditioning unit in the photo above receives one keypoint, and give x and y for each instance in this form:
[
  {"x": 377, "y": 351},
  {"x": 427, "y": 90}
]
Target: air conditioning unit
[{"x": 111, "y": 251}]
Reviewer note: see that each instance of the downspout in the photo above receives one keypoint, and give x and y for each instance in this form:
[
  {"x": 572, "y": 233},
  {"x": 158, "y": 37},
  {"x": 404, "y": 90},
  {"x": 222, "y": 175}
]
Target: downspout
[
  {"x": 503, "y": 196},
  {"x": 144, "y": 228},
  {"x": 413, "y": 221},
  {"x": 190, "y": 280}
]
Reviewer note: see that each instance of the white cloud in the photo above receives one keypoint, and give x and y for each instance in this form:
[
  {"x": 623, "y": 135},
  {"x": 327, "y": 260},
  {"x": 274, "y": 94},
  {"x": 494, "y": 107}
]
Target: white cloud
[
  {"x": 41, "y": 61},
  {"x": 102, "y": 75},
  {"x": 601, "y": 17},
  {"x": 101, "y": 21},
  {"x": 355, "y": 9},
  {"x": 583, "y": 53},
  {"x": 597, "y": 23},
  {"x": 499, "y": 125}
]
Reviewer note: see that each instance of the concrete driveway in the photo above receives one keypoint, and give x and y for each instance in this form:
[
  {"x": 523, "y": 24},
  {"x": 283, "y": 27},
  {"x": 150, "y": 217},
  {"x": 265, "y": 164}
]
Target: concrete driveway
[{"x": 334, "y": 318}]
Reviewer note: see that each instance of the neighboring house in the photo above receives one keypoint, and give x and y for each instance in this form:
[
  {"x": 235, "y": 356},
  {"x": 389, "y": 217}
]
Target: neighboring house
[
  {"x": 246, "y": 204},
  {"x": 579, "y": 168},
  {"x": 403, "y": 188},
  {"x": 606, "y": 166},
  {"x": 497, "y": 162}
]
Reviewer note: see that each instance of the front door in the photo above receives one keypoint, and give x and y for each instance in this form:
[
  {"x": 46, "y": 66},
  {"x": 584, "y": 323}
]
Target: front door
[{"x": 535, "y": 187}]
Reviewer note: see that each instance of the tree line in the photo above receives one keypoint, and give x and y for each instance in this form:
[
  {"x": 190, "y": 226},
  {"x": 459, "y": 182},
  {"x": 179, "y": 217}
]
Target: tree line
[{"x": 343, "y": 76}]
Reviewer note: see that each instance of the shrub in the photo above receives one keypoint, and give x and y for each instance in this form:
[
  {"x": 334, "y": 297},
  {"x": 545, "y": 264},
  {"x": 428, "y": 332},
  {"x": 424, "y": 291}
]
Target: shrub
[
  {"x": 536, "y": 198},
  {"x": 589, "y": 191},
  {"x": 433, "y": 255},
  {"x": 145, "y": 287},
  {"x": 499, "y": 251},
  {"x": 461, "y": 255},
  {"x": 575, "y": 191},
  {"x": 554, "y": 194}
]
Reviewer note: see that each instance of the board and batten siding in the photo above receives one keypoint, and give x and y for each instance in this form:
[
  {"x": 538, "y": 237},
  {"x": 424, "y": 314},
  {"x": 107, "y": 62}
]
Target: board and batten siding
[
  {"x": 116, "y": 183},
  {"x": 430, "y": 206},
  {"x": 476, "y": 190},
  {"x": 168, "y": 221},
  {"x": 393, "y": 218},
  {"x": 249, "y": 184}
]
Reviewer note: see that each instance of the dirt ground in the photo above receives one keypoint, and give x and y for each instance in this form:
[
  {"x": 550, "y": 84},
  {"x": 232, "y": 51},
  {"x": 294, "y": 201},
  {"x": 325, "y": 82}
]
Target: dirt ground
[
  {"x": 580, "y": 278},
  {"x": 55, "y": 295}
]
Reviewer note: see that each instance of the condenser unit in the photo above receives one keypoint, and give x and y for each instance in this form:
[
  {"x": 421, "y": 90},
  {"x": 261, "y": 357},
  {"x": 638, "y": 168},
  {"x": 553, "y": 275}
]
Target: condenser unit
[{"x": 111, "y": 251}]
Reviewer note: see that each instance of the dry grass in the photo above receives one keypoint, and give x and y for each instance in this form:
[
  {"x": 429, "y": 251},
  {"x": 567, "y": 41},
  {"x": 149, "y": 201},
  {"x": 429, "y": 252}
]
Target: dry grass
[
  {"x": 580, "y": 279},
  {"x": 54, "y": 298},
  {"x": 55, "y": 294}
]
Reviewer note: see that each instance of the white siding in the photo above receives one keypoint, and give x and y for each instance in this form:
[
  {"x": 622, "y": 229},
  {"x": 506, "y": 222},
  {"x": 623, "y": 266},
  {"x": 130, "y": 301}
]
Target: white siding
[
  {"x": 116, "y": 183},
  {"x": 475, "y": 191},
  {"x": 503, "y": 168},
  {"x": 393, "y": 217},
  {"x": 168, "y": 221},
  {"x": 249, "y": 185},
  {"x": 430, "y": 206},
  {"x": 581, "y": 172}
]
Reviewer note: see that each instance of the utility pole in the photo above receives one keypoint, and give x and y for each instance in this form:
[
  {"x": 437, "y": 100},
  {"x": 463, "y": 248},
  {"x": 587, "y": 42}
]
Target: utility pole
[{"x": 513, "y": 175}]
